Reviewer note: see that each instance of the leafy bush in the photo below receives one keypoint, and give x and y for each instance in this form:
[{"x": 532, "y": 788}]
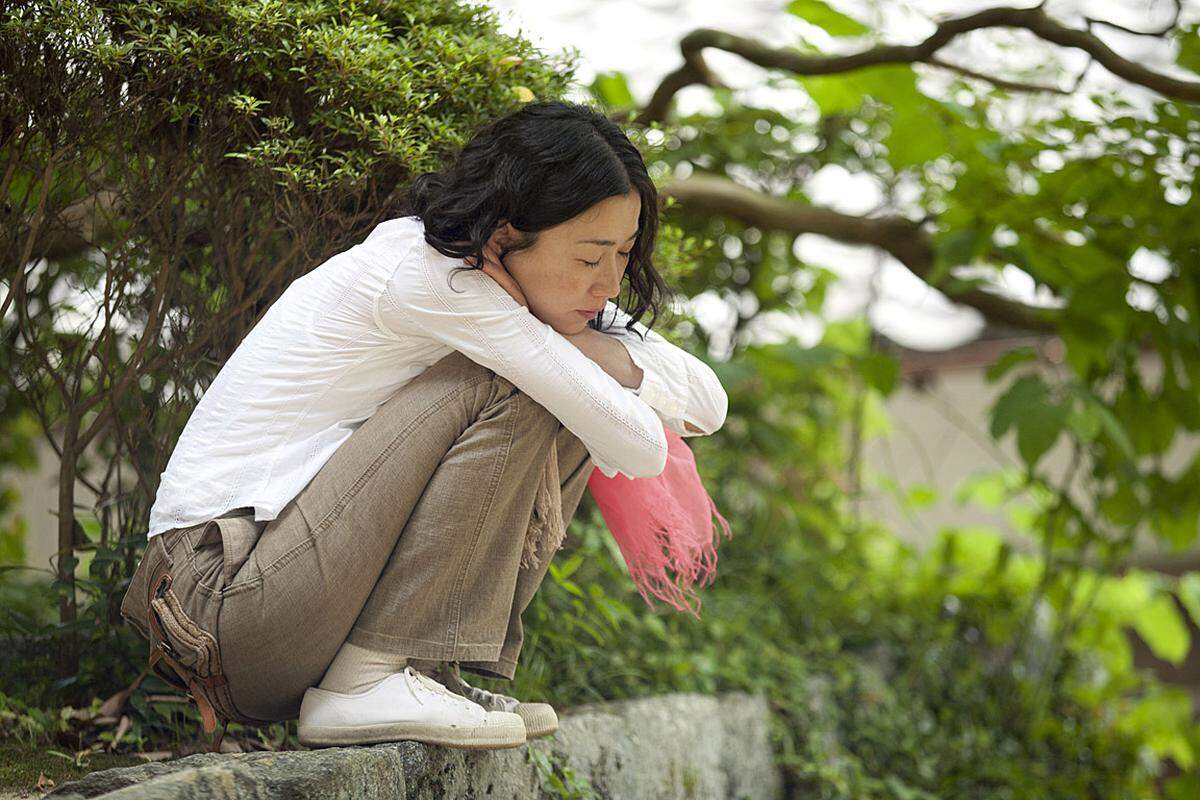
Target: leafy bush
[{"x": 168, "y": 168}]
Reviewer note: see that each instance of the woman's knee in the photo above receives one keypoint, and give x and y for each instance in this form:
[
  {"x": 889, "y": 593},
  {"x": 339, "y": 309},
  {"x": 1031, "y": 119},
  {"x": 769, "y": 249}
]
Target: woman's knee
[{"x": 459, "y": 368}]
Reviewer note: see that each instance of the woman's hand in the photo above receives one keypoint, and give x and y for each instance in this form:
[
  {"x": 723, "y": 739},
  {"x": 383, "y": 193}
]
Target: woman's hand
[{"x": 493, "y": 268}]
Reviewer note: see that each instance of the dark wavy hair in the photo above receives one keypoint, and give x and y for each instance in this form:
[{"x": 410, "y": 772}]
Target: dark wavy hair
[{"x": 536, "y": 168}]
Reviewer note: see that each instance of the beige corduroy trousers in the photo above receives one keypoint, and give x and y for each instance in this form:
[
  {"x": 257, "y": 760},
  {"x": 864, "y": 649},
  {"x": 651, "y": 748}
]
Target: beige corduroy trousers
[{"x": 426, "y": 534}]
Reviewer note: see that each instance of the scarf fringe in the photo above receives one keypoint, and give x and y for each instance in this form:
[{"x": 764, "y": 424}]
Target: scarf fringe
[
  {"x": 664, "y": 527},
  {"x": 693, "y": 565},
  {"x": 668, "y": 547}
]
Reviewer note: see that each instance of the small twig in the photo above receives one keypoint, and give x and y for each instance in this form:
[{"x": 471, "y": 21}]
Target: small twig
[{"x": 999, "y": 83}]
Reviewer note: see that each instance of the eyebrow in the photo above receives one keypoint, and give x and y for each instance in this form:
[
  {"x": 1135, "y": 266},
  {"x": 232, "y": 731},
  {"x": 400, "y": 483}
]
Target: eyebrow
[{"x": 604, "y": 241}]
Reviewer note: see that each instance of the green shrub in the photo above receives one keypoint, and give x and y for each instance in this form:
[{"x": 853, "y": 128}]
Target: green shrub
[{"x": 185, "y": 160}]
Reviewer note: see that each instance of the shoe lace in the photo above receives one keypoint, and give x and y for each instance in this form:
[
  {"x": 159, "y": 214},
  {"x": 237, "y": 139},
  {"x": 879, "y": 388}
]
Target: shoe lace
[
  {"x": 423, "y": 681},
  {"x": 452, "y": 677}
]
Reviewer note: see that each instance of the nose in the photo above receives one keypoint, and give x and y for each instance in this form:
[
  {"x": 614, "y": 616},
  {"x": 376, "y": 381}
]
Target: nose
[{"x": 610, "y": 286}]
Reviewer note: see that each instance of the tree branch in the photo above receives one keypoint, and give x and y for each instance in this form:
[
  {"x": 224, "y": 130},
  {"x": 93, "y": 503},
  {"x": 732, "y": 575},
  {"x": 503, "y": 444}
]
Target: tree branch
[
  {"x": 1160, "y": 32},
  {"x": 1034, "y": 20},
  {"x": 902, "y": 238}
]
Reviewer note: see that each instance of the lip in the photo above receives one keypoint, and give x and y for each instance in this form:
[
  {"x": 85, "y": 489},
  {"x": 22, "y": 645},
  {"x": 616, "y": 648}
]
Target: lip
[{"x": 587, "y": 312}]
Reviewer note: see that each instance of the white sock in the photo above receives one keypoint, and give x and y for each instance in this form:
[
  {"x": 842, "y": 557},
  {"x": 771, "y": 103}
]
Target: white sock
[{"x": 356, "y": 669}]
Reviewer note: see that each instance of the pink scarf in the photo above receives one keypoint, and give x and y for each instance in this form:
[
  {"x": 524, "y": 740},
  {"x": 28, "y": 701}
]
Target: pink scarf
[{"x": 662, "y": 523}]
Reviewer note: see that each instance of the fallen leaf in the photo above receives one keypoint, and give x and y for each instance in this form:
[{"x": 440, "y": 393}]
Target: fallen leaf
[
  {"x": 113, "y": 706},
  {"x": 122, "y": 729},
  {"x": 167, "y": 698}
]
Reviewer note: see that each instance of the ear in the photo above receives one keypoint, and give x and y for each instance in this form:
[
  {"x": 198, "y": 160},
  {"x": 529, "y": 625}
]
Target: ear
[{"x": 503, "y": 234}]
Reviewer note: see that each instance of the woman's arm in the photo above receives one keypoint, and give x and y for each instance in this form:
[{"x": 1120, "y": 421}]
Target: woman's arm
[
  {"x": 481, "y": 320},
  {"x": 672, "y": 365},
  {"x": 682, "y": 389},
  {"x": 609, "y": 354},
  {"x": 613, "y": 357}
]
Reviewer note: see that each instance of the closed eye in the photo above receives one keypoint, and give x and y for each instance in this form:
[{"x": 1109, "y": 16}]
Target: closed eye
[{"x": 597, "y": 263}]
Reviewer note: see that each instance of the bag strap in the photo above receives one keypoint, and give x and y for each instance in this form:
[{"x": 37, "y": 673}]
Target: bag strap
[{"x": 184, "y": 678}]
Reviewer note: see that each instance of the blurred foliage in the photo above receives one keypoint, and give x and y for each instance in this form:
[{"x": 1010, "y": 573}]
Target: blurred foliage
[
  {"x": 970, "y": 669},
  {"x": 894, "y": 673},
  {"x": 1020, "y": 661}
]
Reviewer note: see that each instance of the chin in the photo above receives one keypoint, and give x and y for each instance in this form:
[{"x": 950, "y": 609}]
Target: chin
[{"x": 566, "y": 327}]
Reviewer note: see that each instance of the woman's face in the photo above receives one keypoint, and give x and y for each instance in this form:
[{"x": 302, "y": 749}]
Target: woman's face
[{"x": 577, "y": 265}]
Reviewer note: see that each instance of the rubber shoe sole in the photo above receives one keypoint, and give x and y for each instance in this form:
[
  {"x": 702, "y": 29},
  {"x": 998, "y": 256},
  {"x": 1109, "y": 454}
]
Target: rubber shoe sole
[
  {"x": 539, "y": 718},
  {"x": 507, "y": 731}
]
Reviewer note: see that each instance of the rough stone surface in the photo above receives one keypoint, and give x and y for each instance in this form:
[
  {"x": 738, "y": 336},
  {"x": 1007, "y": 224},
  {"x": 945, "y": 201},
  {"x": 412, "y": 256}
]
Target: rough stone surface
[{"x": 679, "y": 746}]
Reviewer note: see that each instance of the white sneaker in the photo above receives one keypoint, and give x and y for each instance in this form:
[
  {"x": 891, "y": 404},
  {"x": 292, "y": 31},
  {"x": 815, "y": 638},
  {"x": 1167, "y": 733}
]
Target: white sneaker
[{"x": 406, "y": 705}]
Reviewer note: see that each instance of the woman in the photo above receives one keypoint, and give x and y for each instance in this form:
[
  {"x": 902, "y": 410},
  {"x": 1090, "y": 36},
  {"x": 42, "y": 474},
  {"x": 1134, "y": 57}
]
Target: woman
[{"x": 367, "y": 496}]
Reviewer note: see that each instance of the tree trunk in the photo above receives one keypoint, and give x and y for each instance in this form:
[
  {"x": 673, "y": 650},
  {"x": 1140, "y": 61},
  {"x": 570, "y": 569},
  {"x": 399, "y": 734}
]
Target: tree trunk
[{"x": 68, "y": 656}]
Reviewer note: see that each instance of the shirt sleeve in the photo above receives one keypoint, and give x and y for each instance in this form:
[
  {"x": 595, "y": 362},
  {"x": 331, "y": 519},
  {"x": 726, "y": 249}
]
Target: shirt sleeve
[
  {"x": 675, "y": 383},
  {"x": 482, "y": 321}
]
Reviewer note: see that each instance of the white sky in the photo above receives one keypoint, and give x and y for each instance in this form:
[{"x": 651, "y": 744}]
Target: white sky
[{"x": 640, "y": 38}]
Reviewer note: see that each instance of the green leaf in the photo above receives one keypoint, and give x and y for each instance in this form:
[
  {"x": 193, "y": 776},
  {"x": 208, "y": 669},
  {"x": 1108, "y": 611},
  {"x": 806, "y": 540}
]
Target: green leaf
[
  {"x": 1115, "y": 431},
  {"x": 612, "y": 89},
  {"x": 1037, "y": 434},
  {"x": 1188, "y": 591},
  {"x": 921, "y": 495},
  {"x": 881, "y": 370},
  {"x": 835, "y": 23},
  {"x": 1189, "y": 47},
  {"x": 1161, "y": 718},
  {"x": 1122, "y": 507},
  {"x": 959, "y": 246},
  {"x": 1087, "y": 345},
  {"x": 569, "y": 566},
  {"x": 1084, "y": 421},
  {"x": 976, "y": 548},
  {"x": 1150, "y": 423},
  {"x": 1123, "y": 598},
  {"x": 1178, "y": 526},
  {"x": 989, "y": 489},
  {"x": 1183, "y": 402},
  {"x": 1162, "y": 628},
  {"x": 1038, "y": 419},
  {"x": 1008, "y": 360}
]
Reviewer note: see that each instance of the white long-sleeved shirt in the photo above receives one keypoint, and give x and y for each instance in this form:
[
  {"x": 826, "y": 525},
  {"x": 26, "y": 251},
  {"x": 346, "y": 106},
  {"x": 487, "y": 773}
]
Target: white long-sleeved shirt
[{"x": 346, "y": 336}]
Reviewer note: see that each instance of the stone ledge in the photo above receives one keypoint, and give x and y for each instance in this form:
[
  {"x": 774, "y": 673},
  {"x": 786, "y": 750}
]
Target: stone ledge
[{"x": 685, "y": 746}]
